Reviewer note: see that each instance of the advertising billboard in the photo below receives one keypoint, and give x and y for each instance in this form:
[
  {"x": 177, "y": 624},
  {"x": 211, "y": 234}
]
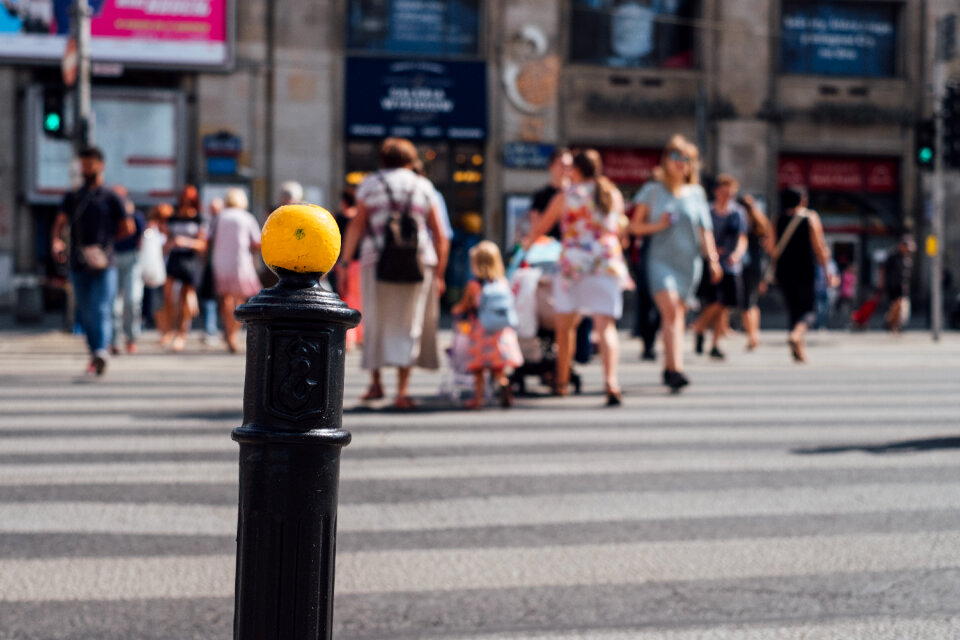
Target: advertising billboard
[
  {"x": 187, "y": 33},
  {"x": 839, "y": 38},
  {"x": 633, "y": 33},
  {"x": 428, "y": 27},
  {"x": 141, "y": 134},
  {"x": 419, "y": 99}
]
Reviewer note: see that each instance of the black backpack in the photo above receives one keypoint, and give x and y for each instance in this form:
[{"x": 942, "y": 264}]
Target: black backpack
[{"x": 398, "y": 261}]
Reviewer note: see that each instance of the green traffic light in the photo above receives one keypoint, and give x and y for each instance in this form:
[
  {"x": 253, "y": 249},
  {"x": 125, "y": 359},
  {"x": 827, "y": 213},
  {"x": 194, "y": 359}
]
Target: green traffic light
[
  {"x": 51, "y": 122},
  {"x": 925, "y": 155}
]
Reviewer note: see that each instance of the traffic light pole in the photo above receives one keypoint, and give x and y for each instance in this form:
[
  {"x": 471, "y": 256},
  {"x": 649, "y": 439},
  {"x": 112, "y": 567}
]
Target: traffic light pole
[
  {"x": 81, "y": 104},
  {"x": 936, "y": 230},
  {"x": 80, "y": 131}
]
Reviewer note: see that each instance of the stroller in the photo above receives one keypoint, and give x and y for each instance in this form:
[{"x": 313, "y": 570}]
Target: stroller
[
  {"x": 456, "y": 379},
  {"x": 531, "y": 278}
]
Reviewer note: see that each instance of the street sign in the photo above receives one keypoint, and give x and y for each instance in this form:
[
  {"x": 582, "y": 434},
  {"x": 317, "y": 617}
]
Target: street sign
[
  {"x": 221, "y": 150},
  {"x": 932, "y": 245},
  {"x": 526, "y": 155}
]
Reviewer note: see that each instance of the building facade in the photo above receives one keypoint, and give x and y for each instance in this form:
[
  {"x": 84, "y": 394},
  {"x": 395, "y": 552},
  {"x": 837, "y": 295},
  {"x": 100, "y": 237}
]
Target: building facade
[{"x": 776, "y": 92}]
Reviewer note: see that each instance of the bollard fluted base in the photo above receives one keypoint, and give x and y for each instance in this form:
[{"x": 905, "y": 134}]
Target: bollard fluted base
[{"x": 286, "y": 541}]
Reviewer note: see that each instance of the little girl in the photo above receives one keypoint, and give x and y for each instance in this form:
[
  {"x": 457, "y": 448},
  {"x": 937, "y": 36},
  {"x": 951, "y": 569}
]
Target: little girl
[{"x": 494, "y": 349}]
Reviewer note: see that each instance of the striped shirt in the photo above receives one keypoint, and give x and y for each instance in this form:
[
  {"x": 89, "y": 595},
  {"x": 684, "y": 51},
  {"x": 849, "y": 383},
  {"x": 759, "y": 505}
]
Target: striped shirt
[{"x": 374, "y": 196}]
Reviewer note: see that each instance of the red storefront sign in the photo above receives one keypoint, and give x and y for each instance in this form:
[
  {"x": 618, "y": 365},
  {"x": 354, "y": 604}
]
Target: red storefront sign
[
  {"x": 629, "y": 166},
  {"x": 882, "y": 176},
  {"x": 840, "y": 173}
]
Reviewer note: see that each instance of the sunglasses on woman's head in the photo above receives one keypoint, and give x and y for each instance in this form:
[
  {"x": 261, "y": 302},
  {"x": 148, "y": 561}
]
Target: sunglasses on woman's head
[{"x": 677, "y": 156}]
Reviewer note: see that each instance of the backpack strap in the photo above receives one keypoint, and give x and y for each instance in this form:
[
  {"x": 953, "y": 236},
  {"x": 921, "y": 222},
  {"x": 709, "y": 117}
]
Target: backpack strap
[
  {"x": 393, "y": 203},
  {"x": 404, "y": 213},
  {"x": 388, "y": 190}
]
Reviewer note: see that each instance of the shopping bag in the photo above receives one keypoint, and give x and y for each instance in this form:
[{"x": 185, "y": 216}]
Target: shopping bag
[{"x": 152, "y": 264}]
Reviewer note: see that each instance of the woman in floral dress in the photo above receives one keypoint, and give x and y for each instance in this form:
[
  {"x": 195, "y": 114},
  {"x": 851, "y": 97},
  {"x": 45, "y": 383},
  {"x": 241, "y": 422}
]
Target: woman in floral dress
[{"x": 593, "y": 273}]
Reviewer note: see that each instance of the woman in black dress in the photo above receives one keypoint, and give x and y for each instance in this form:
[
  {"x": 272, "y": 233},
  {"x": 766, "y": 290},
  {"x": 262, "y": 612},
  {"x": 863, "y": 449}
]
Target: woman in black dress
[
  {"x": 799, "y": 246},
  {"x": 186, "y": 242}
]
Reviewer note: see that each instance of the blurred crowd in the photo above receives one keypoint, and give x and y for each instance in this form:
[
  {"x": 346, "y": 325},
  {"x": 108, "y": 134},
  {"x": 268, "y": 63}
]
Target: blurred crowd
[{"x": 689, "y": 257}]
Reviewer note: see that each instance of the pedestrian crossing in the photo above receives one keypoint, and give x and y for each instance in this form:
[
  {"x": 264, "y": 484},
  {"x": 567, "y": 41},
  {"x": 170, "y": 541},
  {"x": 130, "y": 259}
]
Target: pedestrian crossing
[{"x": 768, "y": 501}]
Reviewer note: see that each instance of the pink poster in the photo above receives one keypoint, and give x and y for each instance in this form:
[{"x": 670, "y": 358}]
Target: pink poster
[
  {"x": 131, "y": 32},
  {"x": 162, "y": 20}
]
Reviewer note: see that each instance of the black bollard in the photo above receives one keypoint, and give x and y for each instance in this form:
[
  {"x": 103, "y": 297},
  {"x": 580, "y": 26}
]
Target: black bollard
[{"x": 290, "y": 445}]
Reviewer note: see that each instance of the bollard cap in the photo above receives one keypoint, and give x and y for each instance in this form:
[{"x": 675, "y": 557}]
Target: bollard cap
[
  {"x": 302, "y": 238},
  {"x": 300, "y": 243}
]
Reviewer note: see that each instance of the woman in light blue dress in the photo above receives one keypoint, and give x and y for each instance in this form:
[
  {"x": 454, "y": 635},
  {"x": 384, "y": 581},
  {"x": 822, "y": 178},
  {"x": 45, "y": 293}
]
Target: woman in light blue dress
[{"x": 673, "y": 211}]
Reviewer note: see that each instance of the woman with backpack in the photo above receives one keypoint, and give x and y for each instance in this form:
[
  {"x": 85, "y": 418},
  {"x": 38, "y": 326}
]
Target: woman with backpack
[
  {"x": 488, "y": 303},
  {"x": 593, "y": 273},
  {"x": 403, "y": 255}
]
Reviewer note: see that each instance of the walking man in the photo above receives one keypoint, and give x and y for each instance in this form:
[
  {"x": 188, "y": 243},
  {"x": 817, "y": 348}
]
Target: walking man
[
  {"x": 96, "y": 218},
  {"x": 730, "y": 231}
]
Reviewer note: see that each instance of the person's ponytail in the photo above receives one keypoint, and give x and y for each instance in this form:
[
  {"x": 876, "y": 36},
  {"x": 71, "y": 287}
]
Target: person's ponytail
[{"x": 603, "y": 193}]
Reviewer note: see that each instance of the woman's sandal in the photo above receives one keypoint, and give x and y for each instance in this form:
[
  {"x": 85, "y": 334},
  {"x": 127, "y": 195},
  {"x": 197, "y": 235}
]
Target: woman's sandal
[
  {"x": 473, "y": 404},
  {"x": 404, "y": 403},
  {"x": 374, "y": 392},
  {"x": 795, "y": 351},
  {"x": 506, "y": 396}
]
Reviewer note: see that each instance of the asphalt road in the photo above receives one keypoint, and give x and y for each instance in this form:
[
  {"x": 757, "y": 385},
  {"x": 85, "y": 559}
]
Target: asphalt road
[{"x": 768, "y": 501}]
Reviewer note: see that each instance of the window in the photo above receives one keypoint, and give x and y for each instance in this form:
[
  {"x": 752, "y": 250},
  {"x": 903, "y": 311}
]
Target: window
[
  {"x": 633, "y": 33},
  {"x": 426, "y": 27},
  {"x": 839, "y": 39}
]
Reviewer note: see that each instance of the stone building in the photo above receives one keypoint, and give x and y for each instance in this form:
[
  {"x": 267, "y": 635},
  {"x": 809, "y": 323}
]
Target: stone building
[{"x": 825, "y": 93}]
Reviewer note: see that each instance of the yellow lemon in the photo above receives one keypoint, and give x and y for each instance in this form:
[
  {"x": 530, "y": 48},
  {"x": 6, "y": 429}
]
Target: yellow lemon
[{"x": 302, "y": 238}]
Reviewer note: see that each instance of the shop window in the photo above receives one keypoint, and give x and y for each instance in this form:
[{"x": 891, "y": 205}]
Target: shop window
[
  {"x": 455, "y": 169},
  {"x": 425, "y": 27},
  {"x": 633, "y": 33},
  {"x": 856, "y": 39}
]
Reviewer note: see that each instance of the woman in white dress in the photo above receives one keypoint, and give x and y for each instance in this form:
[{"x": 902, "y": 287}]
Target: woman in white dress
[{"x": 398, "y": 330}]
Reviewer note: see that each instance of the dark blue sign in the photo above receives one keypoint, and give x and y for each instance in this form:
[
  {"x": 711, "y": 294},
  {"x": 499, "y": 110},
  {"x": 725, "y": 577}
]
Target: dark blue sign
[
  {"x": 221, "y": 166},
  {"x": 428, "y": 27},
  {"x": 418, "y": 99},
  {"x": 221, "y": 149},
  {"x": 839, "y": 38},
  {"x": 526, "y": 155},
  {"x": 222, "y": 143}
]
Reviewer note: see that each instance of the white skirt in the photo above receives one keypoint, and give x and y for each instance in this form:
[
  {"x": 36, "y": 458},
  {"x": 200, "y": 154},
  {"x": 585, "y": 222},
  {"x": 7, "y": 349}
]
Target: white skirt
[
  {"x": 399, "y": 322},
  {"x": 592, "y": 295}
]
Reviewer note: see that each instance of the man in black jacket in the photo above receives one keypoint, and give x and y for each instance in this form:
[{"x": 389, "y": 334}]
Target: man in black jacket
[{"x": 96, "y": 218}]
